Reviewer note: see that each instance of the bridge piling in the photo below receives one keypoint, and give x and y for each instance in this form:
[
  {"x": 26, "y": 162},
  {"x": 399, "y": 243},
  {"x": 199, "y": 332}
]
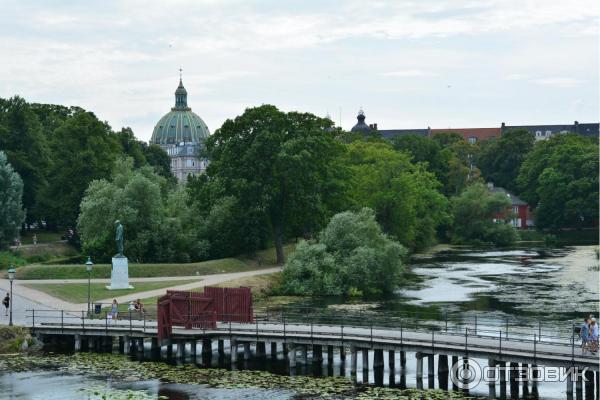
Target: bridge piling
[
  {"x": 304, "y": 350},
  {"x": 391, "y": 360},
  {"x": 233, "y": 351},
  {"x": 206, "y": 351},
  {"x": 140, "y": 347},
  {"x": 126, "y": 345},
  {"x": 77, "y": 344},
  {"x": 492, "y": 378},
  {"x": 343, "y": 354},
  {"x": 464, "y": 382},
  {"x": 502, "y": 373},
  {"x": 579, "y": 386},
  {"x": 514, "y": 387},
  {"x": 247, "y": 352},
  {"x": 273, "y": 349},
  {"x": 154, "y": 349},
  {"x": 454, "y": 372},
  {"x": 443, "y": 371},
  {"x": 261, "y": 352},
  {"x": 180, "y": 354},
  {"x": 169, "y": 351},
  {"x": 221, "y": 348},
  {"x": 365, "y": 362},
  {"x": 193, "y": 350},
  {"x": 317, "y": 353},
  {"x": 525, "y": 381},
  {"x": 329, "y": 355},
  {"x": 419, "y": 357},
  {"x": 291, "y": 355},
  {"x": 377, "y": 358},
  {"x": 570, "y": 386},
  {"x": 430, "y": 367},
  {"x": 91, "y": 343},
  {"x": 353, "y": 361},
  {"x": 589, "y": 384},
  {"x": 403, "y": 359}
]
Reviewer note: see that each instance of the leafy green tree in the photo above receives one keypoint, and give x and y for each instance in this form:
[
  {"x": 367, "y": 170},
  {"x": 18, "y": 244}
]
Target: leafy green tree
[
  {"x": 351, "y": 256},
  {"x": 447, "y": 138},
  {"x": 405, "y": 196},
  {"x": 559, "y": 178},
  {"x": 474, "y": 212},
  {"x": 11, "y": 210},
  {"x": 83, "y": 149},
  {"x": 160, "y": 160},
  {"x": 160, "y": 227},
  {"x": 275, "y": 164},
  {"x": 500, "y": 158},
  {"x": 25, "y": 145}
]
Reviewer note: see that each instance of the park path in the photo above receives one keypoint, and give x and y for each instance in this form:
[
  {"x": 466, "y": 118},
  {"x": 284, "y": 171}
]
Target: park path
[{"x": 28, "y": 298}]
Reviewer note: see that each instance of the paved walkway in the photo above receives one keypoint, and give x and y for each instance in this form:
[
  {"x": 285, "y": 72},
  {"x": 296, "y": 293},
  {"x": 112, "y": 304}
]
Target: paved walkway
[{"x": 28, "y": 298}]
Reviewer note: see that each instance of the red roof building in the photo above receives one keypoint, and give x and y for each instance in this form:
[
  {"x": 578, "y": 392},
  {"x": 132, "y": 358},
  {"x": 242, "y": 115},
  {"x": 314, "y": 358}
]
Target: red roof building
[{"x": 471, "y": 135}]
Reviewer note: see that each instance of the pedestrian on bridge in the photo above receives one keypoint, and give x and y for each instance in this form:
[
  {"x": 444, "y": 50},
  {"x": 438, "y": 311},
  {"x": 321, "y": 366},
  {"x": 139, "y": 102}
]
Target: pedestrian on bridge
[
  {"x": 6, "y": 303},
  {"x": 594, "y": 336},
  {"x": 584, "y": 334}
]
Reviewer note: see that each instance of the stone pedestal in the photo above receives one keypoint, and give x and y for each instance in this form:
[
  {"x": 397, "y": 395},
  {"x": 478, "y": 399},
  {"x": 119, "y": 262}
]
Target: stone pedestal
[{"x": 119, "y": 274}]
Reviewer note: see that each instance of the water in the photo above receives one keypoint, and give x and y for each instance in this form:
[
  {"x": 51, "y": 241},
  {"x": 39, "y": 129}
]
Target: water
[{"x": 527, "y": 285}]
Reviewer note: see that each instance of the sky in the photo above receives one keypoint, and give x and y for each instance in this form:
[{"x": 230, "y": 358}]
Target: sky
[{"x": 407, "y": 63}]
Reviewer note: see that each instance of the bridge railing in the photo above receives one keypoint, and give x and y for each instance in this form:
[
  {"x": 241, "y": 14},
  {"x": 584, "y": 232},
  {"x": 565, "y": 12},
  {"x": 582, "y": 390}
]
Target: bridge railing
[{"x": 341, "y": 328}]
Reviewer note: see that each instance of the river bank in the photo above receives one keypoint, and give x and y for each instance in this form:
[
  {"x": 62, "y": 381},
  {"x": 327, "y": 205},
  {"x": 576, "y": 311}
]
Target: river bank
[{"x": 17, "y": 339}]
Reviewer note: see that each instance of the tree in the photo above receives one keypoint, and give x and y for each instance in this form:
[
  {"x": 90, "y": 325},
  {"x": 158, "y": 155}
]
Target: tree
[
  {"x": 275, "y": 164},
  {"x": 11, "y": 210},
  {"x": 83, "y": 149},
  {"x": 559, "y": 178},
  {"x": 500, "y": 158},
  {"x": 25, "y": 146},
  {"x": 474, "y": 212},
  {"x": 405, "y": 196},
  {"x": 351, "y": 256},
  {"x": 160, "y": 160},
  {"x": 160, "y": 226}
]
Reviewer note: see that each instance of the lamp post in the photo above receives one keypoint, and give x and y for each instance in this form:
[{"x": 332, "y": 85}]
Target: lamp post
[
  {"x": 88, "y": 267},
  {"x": 11, "y": 278}
]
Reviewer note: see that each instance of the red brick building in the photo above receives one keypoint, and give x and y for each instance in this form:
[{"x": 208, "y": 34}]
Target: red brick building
[
  {"x": 522, "y": 217},
  {"x": 471, "y": 135}
]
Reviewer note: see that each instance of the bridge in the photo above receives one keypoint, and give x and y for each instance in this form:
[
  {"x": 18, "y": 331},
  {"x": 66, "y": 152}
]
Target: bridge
[{"x": 513, "y": 357}]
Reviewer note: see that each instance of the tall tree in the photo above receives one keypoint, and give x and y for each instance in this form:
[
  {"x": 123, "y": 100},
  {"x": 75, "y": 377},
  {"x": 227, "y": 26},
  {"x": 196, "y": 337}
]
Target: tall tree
[
  {"x": 559, "y": 177},
  {"x": 83, "y": 149},
  {"x": 405, "y": 196},
  {"x": 477, "y": 216},
  {"x": 275, "y": 164},
  {"x": 24, "y": 143},
  {"x": 500, "y": 158},
  {"x": 11, "y": 210}
]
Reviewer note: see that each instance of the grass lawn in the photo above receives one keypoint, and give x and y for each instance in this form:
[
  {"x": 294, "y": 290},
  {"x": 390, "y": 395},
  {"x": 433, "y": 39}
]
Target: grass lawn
[
  {"x": 262, "y": 259},
  {"x": 77, "y": 292}
]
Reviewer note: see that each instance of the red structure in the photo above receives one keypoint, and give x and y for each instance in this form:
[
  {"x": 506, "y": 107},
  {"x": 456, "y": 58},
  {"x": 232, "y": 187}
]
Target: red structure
[
  {"x": 202, "y": 310},
  {"x": 520, "y": 213}
]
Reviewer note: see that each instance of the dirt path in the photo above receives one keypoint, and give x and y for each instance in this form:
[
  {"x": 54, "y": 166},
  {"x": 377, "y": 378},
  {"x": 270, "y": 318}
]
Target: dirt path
[{"x": 31, "y": 297}]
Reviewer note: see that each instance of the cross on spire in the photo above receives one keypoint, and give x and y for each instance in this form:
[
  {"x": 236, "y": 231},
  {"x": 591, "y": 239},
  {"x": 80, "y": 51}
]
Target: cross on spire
[{"x": 180, "y": 71}]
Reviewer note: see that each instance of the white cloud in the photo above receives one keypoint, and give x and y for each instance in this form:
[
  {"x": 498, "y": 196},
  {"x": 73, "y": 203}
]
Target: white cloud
[
  {"x": 560, "y": 82},
  {"x": 410, "y": 73}
]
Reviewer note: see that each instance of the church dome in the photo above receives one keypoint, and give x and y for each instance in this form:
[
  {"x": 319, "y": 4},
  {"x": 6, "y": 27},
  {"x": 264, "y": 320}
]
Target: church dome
[
  {"x": 180, "y": 124},
  {"x": 360, "y": 125}
]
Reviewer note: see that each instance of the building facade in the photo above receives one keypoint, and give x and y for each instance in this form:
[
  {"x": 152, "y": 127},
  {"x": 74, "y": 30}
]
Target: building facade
[
  {"x": 521, "y": 216},
  {"x": 181, "y": 133}
]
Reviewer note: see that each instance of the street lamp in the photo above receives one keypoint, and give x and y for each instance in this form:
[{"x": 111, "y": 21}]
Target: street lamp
[
  {"x": 11, "y": 278},
  {"x": 88, "y": 267}
]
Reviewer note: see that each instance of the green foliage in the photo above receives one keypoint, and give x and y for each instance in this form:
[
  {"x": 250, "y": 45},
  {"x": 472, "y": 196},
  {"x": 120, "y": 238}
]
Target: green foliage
[
  {"x": 26, "y": 148},
  {"x": 159, "y": 226},
  {"x": 276, "y": 165},
  {"x": 474, "y": 212},
  {"x": 559, "y": 177},
  {"x": 8, "y": 258},
  {"x": 11, "y": 210},
  {"x": 352, "y": 255},
  {"x": 405, "y": 196},
  {"x": 500, "y": 158}
]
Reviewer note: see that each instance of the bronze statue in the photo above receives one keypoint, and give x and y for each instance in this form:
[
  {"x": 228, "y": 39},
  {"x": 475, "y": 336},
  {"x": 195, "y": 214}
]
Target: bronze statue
[{"x": 119, "y": 239}]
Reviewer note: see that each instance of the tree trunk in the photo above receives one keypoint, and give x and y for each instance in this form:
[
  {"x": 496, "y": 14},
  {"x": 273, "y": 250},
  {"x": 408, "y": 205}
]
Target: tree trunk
[{"x": 278, "y": 240}]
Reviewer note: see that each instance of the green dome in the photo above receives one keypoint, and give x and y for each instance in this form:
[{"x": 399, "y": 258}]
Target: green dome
[{"x": 180, "y": 124}]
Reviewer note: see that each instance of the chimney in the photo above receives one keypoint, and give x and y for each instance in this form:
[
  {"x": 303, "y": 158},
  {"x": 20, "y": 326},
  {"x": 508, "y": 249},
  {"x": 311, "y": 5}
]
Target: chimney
[
  {"x": 375, "y": 126},
  {"x": 490, "y": 185}
]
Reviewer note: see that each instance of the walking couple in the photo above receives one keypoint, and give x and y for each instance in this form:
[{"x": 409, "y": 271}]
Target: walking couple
[{"x": 589, "y": 335}]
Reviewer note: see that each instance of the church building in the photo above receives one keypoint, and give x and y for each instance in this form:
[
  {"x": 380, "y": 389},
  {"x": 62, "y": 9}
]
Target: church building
[{"x": 181, "y": 133}]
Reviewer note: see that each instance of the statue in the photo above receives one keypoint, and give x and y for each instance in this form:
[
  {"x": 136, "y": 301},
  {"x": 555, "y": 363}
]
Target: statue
[{"x": 119, "y": 239}]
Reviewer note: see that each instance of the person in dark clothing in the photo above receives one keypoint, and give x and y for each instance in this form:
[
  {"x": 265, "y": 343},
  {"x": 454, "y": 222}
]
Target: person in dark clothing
[{"x": 6, "y": 303}]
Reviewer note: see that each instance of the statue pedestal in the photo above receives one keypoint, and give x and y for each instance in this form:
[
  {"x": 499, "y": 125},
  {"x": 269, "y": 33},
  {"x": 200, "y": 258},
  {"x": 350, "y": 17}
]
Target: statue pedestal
[{"x": 119, "y": 274}]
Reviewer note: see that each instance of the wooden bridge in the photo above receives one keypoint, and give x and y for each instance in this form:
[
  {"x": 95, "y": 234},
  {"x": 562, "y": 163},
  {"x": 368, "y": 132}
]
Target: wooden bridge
[{"x": 509, "y": 354}]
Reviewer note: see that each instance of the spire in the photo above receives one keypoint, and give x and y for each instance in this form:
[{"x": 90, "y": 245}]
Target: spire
[{"x": 180, "y": 94}]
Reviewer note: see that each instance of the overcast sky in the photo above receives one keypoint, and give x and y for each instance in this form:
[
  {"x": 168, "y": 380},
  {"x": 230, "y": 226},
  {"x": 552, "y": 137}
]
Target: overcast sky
[{"x": 408, "y": 63}]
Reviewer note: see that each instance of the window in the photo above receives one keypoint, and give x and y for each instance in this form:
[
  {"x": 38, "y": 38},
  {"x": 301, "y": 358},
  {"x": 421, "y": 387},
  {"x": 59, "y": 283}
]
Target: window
[
  {"x": 516, "y": 209},
  {"x": 472, "y": 140},
  {"x": 189, "y": 163},
  {"x": 538, "y": 133},
  {"x": 548, "y": 133}
]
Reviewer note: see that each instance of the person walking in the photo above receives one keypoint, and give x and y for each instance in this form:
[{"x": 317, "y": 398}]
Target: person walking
[
  {"x": 6, "y": 303},
  {"x": 114, "y": 310},
  {"x": 584, "y": 334},
  {"x": 593, "y": 336}
]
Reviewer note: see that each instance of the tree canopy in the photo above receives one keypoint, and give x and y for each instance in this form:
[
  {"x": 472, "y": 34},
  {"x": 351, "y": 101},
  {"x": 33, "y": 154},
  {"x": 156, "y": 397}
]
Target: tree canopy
[
  {"x": 559, "y": 177},
  {"x": 351, "y": 256},
  {"x": 277, "y": 166},
  {"x": 480, "y": 217},
  {"x": 11, "y": 209}
]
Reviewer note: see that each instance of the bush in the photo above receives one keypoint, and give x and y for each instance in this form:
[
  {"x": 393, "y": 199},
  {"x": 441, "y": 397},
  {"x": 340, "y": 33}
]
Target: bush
[
  {"x": 351, "y": 256},
  {"x": 8, "y": 258}
]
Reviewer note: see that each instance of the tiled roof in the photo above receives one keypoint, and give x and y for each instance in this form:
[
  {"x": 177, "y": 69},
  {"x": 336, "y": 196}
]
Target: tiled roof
[
  {"x": 514, "y": 200},
  {"x": 466, "y": 133}
]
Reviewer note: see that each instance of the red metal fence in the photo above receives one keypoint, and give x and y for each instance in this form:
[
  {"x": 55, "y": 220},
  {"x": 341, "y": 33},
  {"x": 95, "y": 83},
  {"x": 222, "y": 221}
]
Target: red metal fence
[{"x": 202, "y": 310}]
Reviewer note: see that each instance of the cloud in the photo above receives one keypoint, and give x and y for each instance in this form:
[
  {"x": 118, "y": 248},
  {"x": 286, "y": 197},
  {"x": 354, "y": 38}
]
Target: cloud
[
  {"x": 559, "y": 82},
  {"x": 411, "y": 73}
]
